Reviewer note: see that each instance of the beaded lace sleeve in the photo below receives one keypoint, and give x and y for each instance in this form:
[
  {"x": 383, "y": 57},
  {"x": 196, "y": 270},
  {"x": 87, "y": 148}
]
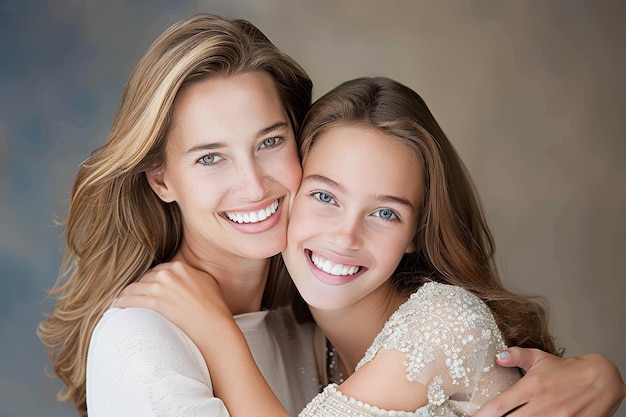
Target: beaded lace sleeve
[{"x": 450, "y": 339}]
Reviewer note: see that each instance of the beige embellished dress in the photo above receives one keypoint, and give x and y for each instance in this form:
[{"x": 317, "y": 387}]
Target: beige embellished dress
[{"x": 450, "y": 338}]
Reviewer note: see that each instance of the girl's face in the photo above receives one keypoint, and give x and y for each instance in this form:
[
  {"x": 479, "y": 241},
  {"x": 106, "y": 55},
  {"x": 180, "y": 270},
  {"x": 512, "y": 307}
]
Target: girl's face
[
  {"x": 231, "y": 165},
  {"x": 354, "y": 216}
]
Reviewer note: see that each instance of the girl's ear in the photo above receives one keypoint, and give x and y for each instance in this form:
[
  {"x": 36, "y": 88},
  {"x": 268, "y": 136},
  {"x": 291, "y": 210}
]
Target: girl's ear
[
  {"x": 156, "y": 179},
  {"x": 410, "y": 247}
]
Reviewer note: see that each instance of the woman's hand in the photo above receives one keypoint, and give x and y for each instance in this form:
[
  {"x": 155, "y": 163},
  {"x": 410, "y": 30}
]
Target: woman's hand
[{"x": 583, "y": 386}]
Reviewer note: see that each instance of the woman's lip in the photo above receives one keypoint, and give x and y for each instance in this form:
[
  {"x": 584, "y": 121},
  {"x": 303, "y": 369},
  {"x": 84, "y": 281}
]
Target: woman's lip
[
  {"x": 256, "y": 207},
  {"x": 328, "y": 278},
  {"x": 258, "y": 226}
]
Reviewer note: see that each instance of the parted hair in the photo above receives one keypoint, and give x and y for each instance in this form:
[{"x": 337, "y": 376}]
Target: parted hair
[
  {"x": 116, "y": 227},
  {"x": 453, "y": 241}
]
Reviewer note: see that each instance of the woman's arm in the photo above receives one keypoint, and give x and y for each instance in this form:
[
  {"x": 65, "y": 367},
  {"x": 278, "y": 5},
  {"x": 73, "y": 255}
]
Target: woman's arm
[
  {"x": 192, "y": 300},
  {"x": 588, "y": 385},
  {"x": 142, "y": 365}
]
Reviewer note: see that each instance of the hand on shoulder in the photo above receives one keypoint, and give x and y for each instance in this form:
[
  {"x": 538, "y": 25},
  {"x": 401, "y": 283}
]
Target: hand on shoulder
[{"x": 588, "y": 385}]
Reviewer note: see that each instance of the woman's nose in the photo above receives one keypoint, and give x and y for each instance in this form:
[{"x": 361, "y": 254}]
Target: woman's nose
[{"x": 250, "y": 181}]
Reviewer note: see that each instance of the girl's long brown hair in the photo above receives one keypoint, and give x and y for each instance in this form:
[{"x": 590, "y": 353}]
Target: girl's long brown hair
[
  {"x": 116, "y": 228},
  {"x": 453, "y": 241}
]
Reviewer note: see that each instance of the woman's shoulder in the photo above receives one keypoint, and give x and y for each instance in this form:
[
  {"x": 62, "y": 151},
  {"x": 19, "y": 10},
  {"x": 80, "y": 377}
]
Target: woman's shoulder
[
  {"x": 134, "y": 323},
  {"x": 139, "y": 334},
  {"x": 140, "y": 361}
]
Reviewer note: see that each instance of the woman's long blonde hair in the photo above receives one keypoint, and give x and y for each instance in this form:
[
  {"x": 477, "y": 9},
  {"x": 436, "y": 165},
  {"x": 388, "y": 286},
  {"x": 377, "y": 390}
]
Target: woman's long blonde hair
[
  {"x": 116, "y": 228},
  {"x": 453, "y": 241}
]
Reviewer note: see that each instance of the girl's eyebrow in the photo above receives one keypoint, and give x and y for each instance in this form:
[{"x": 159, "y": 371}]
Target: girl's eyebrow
[
  {"x": 216, "y": 145},
  {"x": 324, "y": 180},
  {"x": 377, "y": 197},
  {"x": 393, "y": 199}
]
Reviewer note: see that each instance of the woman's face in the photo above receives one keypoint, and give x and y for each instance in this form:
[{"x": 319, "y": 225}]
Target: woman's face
[
  {"x": 231, "y": 165},
  {"x": 354, "y": 216}
]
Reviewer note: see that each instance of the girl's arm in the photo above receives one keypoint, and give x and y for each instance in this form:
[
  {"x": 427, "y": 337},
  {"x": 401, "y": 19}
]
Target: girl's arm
[
  {"x": 589, "y": 385},
  {"x": 192, "y": 300}
]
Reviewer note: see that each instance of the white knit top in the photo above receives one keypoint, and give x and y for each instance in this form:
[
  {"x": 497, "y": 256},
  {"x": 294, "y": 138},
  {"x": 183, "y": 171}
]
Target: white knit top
[{"x": 140, "y": 364}]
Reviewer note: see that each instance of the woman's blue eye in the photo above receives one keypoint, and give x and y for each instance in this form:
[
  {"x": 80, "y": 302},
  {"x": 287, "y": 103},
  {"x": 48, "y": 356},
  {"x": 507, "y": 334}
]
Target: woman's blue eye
[
  {"x": 209, "y": 159},
  {"x": 269, "y": 142},
  {"x": 324, "y": 197},
  {"x": 386, "y": 214}
]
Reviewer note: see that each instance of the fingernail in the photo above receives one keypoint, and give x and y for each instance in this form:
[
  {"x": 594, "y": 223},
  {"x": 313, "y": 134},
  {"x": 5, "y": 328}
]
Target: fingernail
[{"x": 502, "y": 355}]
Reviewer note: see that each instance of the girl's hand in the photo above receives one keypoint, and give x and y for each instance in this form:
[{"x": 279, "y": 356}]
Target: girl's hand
[
  {"x": 192, "y": 300},
  {"x": 583, "y": 386},
  {"x": 182, "y": 294}
]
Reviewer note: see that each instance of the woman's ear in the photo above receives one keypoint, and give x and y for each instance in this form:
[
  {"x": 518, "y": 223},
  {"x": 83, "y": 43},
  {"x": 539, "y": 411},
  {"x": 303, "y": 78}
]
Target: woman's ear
[{"x": 156, "y": 179}]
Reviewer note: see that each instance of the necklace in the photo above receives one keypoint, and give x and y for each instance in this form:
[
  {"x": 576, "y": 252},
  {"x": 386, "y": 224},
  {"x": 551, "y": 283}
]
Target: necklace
[{"x": 334, "y": 366}]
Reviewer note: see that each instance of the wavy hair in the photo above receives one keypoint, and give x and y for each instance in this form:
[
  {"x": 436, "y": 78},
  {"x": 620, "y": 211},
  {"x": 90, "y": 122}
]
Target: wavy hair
[
  {"x": 453, "y": 241},
  {"x": 116, "y": 227}
]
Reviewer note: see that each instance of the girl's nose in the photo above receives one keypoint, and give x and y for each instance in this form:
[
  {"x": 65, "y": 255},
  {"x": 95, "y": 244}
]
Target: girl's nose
[{"x": 346, "y": 233}]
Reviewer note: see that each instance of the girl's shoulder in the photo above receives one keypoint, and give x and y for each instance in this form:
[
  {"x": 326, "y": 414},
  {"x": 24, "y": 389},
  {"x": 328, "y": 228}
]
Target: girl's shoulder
[
  {"x": 437, "y": 317},
  {"x": 436, "y": 299}
]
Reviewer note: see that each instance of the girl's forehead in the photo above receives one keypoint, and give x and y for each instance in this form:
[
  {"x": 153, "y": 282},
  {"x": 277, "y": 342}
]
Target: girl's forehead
[
  {"x": 369, "y": 147},
  {"x": 351, "y": 137}
]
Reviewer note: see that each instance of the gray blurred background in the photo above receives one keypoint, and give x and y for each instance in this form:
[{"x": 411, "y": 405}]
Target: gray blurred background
[{"x": 531, "y": 93}]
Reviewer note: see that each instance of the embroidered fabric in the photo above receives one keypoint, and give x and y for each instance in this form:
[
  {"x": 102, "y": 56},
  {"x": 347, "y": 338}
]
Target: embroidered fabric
[{"x": 450, "y": 339}]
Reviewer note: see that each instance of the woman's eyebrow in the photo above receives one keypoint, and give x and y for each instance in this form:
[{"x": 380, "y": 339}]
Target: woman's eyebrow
[
  {"x": 216, "y": 145},
  {"x": 271, "y": 128},
  {"x": 206, "y": 146}
]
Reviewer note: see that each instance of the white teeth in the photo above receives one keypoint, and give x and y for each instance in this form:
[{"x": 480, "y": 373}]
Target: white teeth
[
  {"x": 253, "y": 216},
  {"x": 331, "y": 268},
  {"x": 336, "y": 269}
]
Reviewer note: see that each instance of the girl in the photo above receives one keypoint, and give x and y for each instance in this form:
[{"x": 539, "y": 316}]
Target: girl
[{"x": 388, "y": 246}]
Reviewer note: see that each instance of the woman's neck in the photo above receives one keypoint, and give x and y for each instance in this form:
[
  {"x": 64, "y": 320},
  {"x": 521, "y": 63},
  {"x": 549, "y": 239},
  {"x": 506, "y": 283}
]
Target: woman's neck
[
  {"x": 242, "y": 281},
  {"x": 352, "y": 329}
]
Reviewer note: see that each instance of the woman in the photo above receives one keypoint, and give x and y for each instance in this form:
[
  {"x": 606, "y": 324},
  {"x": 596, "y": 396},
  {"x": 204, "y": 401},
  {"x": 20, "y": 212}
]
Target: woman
[
  {"x": 135, "y": 206},
  {"x": 382, "y": 185},
  {"x": 156, "y": 192}
]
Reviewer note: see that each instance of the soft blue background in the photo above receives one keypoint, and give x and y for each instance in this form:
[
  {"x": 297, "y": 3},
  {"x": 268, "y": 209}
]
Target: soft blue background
[{"x": 531, "y": 93}]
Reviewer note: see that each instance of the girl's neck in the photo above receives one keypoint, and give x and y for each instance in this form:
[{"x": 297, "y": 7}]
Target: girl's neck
[
  {"x": 352, "y": 329},
  {"x": 241, "y": 280}
]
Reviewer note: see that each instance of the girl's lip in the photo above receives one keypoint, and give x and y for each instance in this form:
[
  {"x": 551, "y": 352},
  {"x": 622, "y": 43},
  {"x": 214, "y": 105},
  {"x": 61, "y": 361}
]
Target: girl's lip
[{"x": 329, "y": 278}]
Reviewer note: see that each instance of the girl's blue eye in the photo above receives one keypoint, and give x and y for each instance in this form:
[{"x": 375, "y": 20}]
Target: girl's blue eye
[
  {"x": 209, "y": 159},
  {"x": 386, "y": 214},
  {"x": 324, "y": 197},
  {"x": 269, "y": 142}
]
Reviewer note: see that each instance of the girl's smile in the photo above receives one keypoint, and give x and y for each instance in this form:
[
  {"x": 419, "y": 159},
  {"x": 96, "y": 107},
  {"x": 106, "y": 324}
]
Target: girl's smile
[
  {"x": 333, "y": 272},
  {"x": 353, "y": 217}
]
